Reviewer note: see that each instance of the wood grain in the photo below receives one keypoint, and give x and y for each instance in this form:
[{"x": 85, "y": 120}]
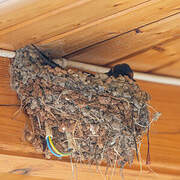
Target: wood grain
[
  {"x": 171, "y": 70},
  {"x": 7, "y": 95},
  {"x": 68, "y": 26},
  {"x": 18, "y": 11},
  {"x": 109, "y": 27},
  {"x": 130, "y": 43},
  {"x": 155, "y": 58},
  {"x": 8, "y": 176},
  {"x": 63, "y": 170},
  {"x": 59, "y": 21},
  {"x": 12, "y": 137}
]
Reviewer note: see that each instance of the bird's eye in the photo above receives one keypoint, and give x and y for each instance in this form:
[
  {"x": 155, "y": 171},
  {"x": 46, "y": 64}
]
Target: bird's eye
[{"x": 131, "y": 75}]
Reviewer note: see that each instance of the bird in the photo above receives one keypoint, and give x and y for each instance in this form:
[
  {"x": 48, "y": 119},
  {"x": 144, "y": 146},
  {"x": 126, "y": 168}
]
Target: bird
[{"x": 121, "y": 69}]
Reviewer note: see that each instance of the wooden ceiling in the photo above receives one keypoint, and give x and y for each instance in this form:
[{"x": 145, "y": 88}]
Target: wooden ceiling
[{"x": 143, "y": 33}]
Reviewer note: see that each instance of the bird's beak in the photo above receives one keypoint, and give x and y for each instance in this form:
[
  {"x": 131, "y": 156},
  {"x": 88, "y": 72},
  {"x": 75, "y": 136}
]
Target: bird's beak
[{"x": 131, "y": 75}]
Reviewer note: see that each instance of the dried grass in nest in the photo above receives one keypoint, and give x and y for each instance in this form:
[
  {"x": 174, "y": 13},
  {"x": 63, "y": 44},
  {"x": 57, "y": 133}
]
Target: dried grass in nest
[{"x": 103, "y": 117}]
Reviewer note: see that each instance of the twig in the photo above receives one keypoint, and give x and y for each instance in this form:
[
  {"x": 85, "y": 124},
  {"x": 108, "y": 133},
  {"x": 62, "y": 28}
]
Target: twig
[
  {"x": 148, "y": 160},
  {"x": 136, "y": 147},
  {"x": 39, "y": 122},
  {"x": 72, "y": 166},
  {"x": 121, "y": 173},
  {"x": 113, "y": 172},
  {"x": 134, "y": 133}
]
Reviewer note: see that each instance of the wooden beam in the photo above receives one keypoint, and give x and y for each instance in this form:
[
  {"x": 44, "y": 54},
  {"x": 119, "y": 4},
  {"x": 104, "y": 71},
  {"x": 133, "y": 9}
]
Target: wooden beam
[
  {"x": 130, "y": 43},
  {"x": 155, "y": 58},
  {"x": 60, "y": 21},
  {"x": 12, "y": 136},
  {"x": 124, "y": 21},
  {"x": 18, "y": 11},
  {"x": 7, "y": 95},
  {"x": 8, "y": 176},
  {"x": 170, "y": 70},
  {"x": 63, "y": 170}
]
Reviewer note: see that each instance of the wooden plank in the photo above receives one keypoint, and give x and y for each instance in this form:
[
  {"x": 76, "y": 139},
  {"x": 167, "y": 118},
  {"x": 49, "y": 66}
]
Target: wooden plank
[
  {"x": 60, "y": 21},
  {"x": 130, "y": 43},
  {"x": 157, "y": 57},
  {"x": 165, "y": 154},
  {"x": 110, "y": 27},
  {"x": 7, "y": 95},
  {"x": 171, "y": 70},
  {"x": 63, "y": 170},
  {"x": 12, "y": 136},
  {"x": 7, "y": 176},
  {"x": 18, "y": 11}
]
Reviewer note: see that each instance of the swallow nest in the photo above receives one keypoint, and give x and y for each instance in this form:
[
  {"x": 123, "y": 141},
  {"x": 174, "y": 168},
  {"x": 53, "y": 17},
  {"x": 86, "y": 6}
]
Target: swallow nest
[{"x": 96, "y": 118}]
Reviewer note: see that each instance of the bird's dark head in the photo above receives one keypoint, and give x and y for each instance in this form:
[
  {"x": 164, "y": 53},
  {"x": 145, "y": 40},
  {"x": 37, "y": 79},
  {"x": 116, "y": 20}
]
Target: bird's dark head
[{"x": 121, "y": 69}]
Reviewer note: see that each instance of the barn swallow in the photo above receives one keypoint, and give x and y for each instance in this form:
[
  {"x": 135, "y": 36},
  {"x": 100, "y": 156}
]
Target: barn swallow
[{"x": 121, "y": 69}]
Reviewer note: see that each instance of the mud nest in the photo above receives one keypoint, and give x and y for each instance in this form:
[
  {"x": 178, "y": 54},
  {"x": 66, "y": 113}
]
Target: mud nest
[{"x": 95, "y": 118}]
